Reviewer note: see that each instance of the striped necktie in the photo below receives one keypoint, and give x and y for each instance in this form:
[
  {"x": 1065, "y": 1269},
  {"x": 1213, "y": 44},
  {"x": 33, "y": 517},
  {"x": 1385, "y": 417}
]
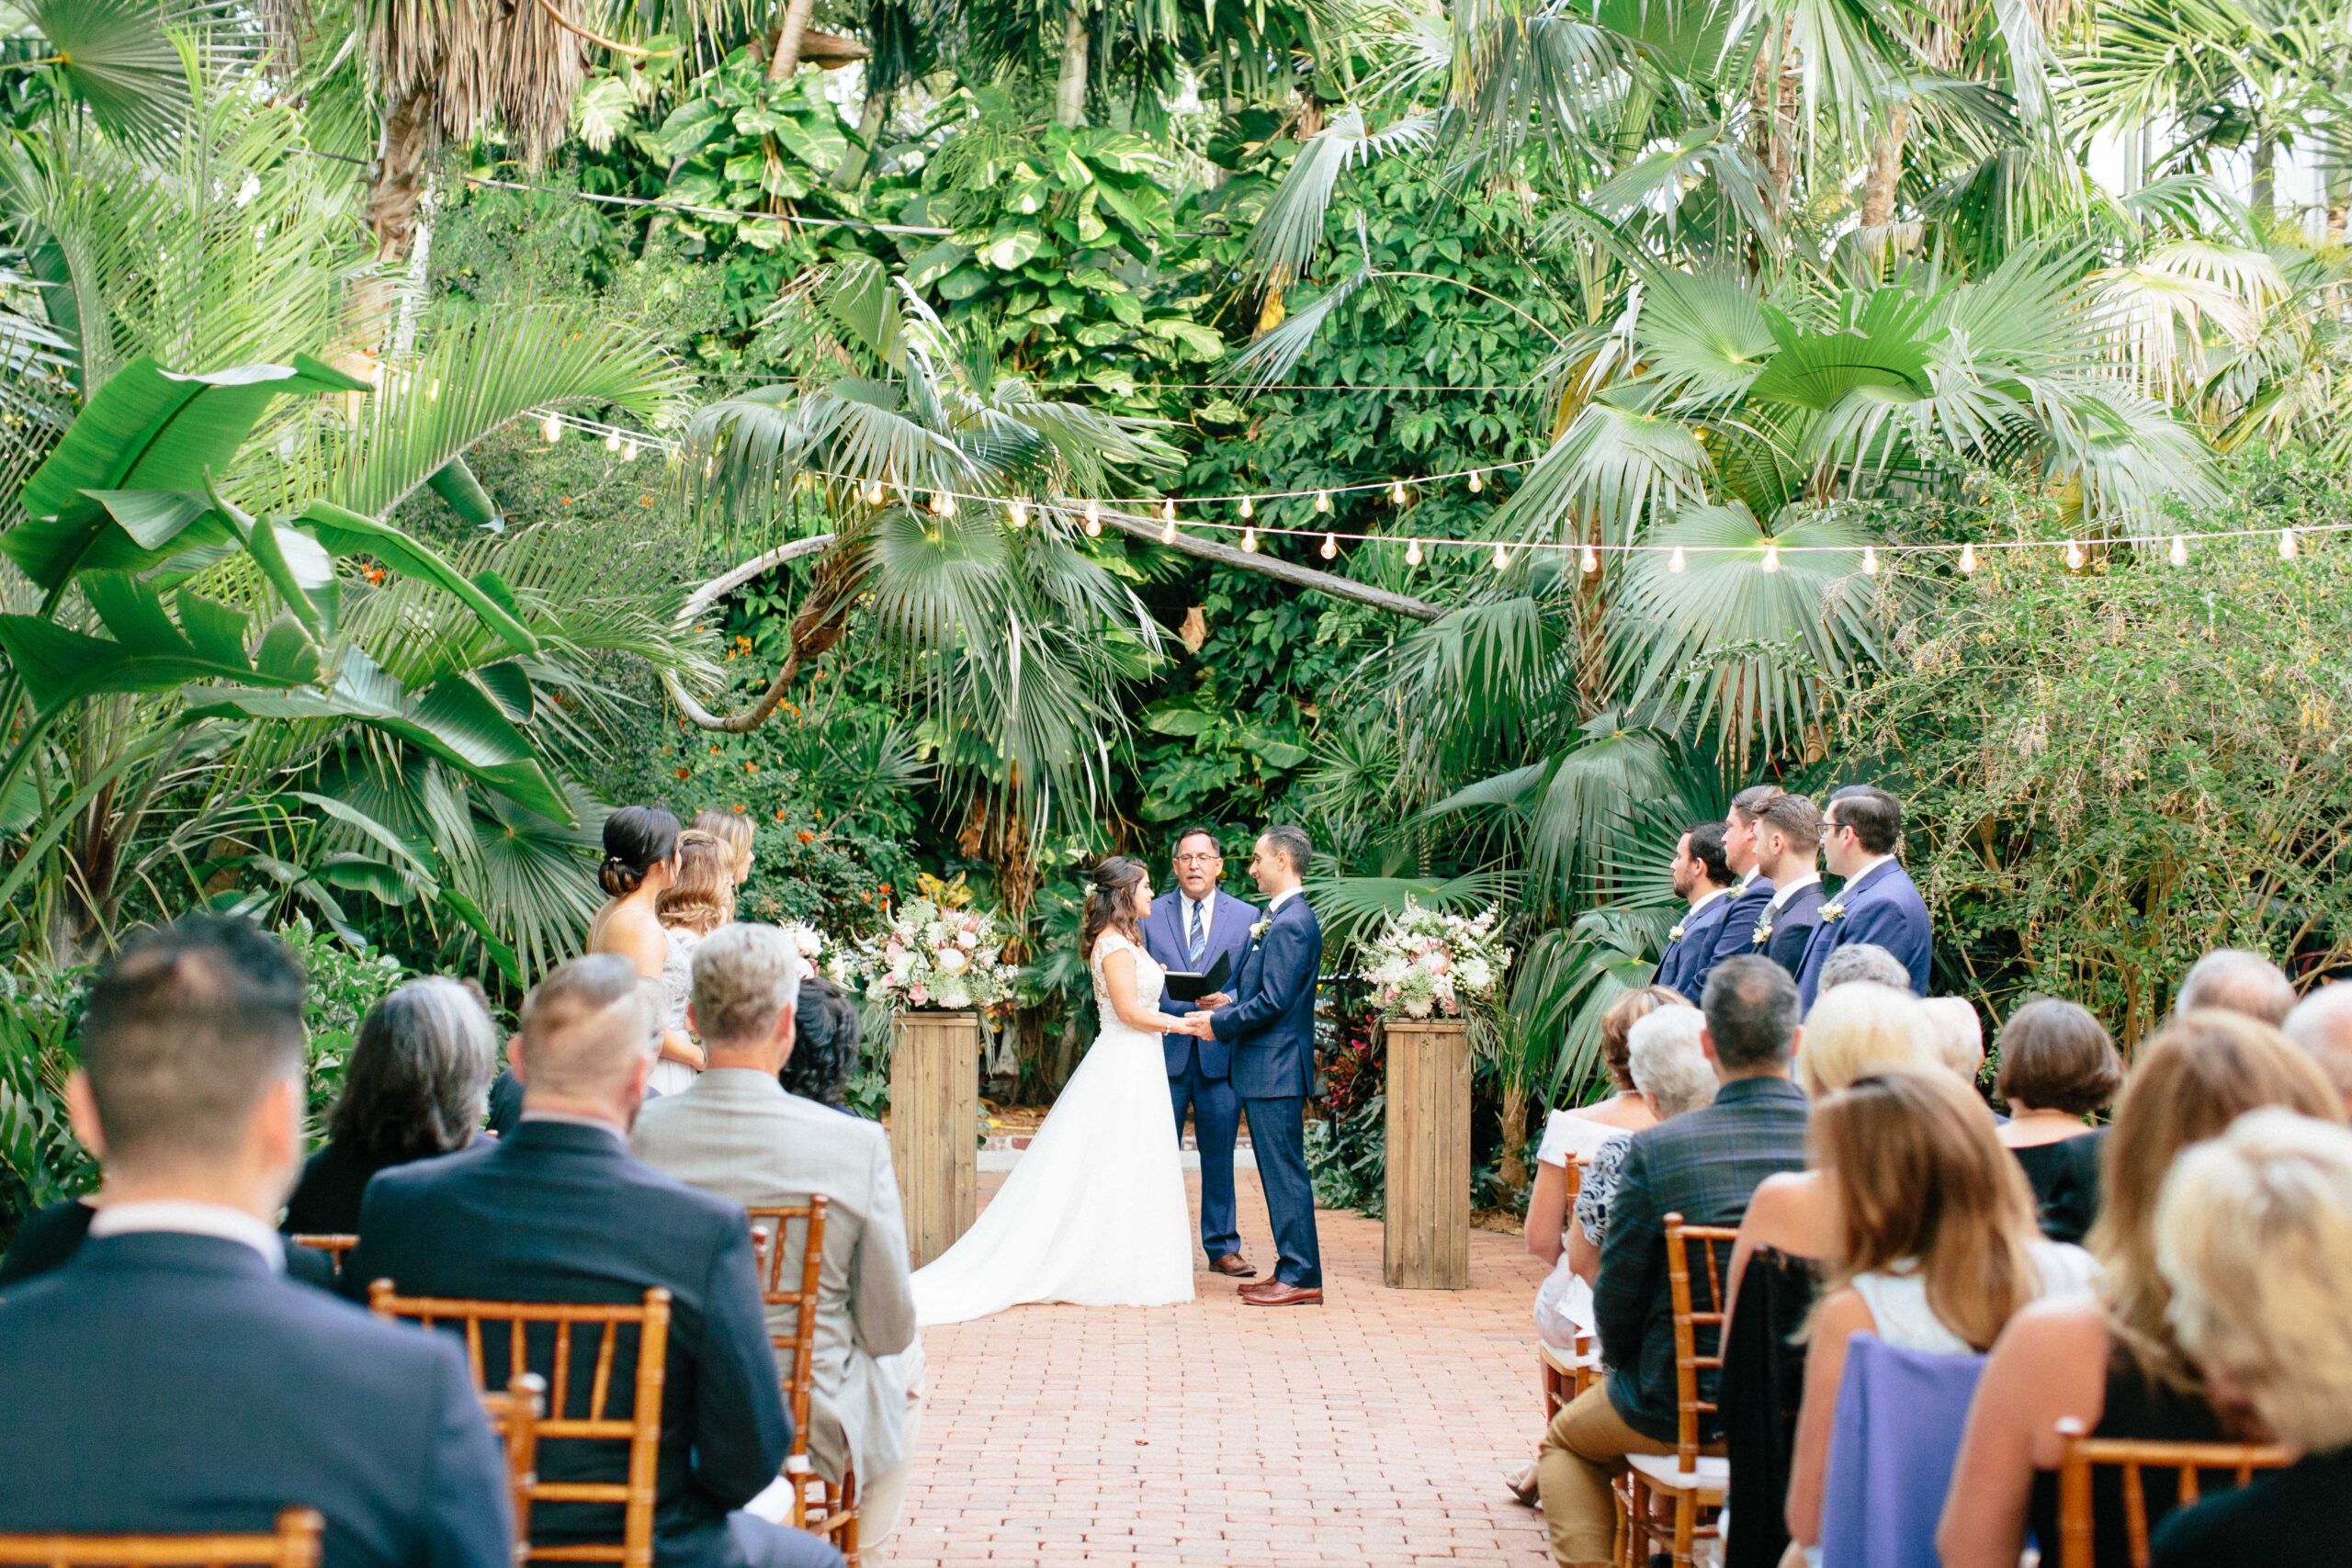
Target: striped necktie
[{"x": 1197, "y": 941}]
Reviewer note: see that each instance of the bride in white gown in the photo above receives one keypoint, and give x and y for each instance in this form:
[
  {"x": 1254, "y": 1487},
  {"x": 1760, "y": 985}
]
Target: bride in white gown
[{"x": 1094, "y": 1211}]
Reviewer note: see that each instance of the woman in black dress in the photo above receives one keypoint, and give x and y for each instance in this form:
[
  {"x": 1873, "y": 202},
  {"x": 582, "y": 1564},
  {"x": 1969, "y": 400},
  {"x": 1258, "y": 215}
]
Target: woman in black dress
[
  {"x": 2057, "y": 1067},
  {"x": 417, "y": 1087}
]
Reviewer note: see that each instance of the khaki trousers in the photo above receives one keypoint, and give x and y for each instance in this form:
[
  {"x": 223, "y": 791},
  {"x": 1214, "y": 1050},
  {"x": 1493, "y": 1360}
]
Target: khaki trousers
[{"x": 1584, "y": 1450}]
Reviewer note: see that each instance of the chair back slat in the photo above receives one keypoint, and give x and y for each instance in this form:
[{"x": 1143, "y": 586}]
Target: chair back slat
[
  {"x": 294, "y": 1543},
  {"x": 1575, "y": 1167},
  {"x": 2131, "y": 1457},
  {"x": 1688, "y": 1320},
  {"x": 640, "y": 1428},
  {"x": 337, "y": 1246},
  {"x": 515, "y": 1416},
  {"x": 795, "y": 1352}
]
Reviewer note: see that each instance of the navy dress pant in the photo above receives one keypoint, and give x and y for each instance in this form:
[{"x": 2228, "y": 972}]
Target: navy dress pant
[
  {"x": 1278, "y": 1139},
  {"x": 1216, "y": 1121}
]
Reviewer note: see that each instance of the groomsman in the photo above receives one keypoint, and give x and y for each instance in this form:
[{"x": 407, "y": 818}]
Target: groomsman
[
  {"x": 1788, "y": 844},
  {"x": 1754, "y": 891},
  {"x": 1191, "y": 926},
  {"x": 1701, "y": 877},
  {"x": 1878, "y": 902}
]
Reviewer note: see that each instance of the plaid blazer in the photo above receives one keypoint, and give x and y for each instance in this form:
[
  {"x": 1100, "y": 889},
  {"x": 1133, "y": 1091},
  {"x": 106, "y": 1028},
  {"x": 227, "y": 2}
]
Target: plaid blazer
[{"x": 1702, "y": 1165}]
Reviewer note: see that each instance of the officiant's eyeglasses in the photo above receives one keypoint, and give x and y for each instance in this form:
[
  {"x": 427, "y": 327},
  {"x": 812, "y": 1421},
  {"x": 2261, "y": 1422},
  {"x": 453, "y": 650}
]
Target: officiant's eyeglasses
[{"x": 1200, "y": 857}]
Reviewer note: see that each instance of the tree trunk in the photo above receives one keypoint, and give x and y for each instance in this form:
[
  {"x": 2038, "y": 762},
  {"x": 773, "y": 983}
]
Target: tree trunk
[
  {"x": 786, "y": 58},
  {"x": 871, "y": 120},
  {"x": 1070, "y": 85},
  {"x": 399, "y": 180},
  {"x": 1885, "y": 172},
  {"x": 2264, "y": 198},
  {"x": 1512, "y": 1172}
]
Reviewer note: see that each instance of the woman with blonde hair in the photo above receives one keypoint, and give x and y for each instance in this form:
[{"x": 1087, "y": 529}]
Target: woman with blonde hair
[
  {"x": 733, "y": 831},
  {"x": 2254, "y": 1236},
  {"x": 1577, "y": 1135},
  {"x": 701, "y": 900},
  {"x": 2115, "y": 1364},
  {"x": 1937, "y": 1247}
]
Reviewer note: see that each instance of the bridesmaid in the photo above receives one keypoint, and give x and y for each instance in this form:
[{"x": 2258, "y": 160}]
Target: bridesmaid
[{"x": 640, "y": 865}]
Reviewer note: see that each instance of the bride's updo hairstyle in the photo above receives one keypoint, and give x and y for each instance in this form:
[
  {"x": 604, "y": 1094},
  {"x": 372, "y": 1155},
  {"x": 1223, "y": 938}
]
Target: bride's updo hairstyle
[
  {"x": 1111, "y": 902},
  {"x": 637, "y": 838}
]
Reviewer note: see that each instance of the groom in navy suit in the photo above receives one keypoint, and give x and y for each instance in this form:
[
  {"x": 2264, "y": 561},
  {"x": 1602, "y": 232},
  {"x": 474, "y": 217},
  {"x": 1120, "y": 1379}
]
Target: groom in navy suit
[
  {"x": 1189, "y": 927},
  {"x": 1879, "y": 902},
  {"x": 1271, "y": 1027}
]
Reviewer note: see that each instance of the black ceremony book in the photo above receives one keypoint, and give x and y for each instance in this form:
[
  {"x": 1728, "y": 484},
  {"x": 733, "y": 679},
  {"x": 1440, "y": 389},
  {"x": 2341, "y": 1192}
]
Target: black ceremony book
[{"x": 1186, "y": 986}]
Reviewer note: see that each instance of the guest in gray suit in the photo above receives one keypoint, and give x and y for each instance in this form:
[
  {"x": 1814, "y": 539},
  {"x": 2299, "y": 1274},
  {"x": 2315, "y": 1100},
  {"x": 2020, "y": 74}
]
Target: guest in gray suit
[{"x": 737, "y": 1133}]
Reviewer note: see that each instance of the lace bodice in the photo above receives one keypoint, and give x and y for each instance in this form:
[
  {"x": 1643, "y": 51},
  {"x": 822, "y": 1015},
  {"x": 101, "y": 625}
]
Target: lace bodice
[{"x": 1150, "y": 979}]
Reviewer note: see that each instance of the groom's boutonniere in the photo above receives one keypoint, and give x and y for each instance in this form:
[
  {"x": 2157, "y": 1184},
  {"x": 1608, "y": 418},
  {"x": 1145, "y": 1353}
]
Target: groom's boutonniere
[
  {"x": 1833, "y": 913},
  {"x": 1675, "y": 934},
  {"x": 1257, "y": 932},
  {"x": 1763, "y": 932}
]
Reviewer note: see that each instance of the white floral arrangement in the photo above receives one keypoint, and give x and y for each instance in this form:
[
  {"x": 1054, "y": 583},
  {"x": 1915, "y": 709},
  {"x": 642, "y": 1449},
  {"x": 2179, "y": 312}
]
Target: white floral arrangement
[
  {"x": 1428, "y": 963},
  {"x": 832, "y": 960},
  {"x": 932, "y": 955}
]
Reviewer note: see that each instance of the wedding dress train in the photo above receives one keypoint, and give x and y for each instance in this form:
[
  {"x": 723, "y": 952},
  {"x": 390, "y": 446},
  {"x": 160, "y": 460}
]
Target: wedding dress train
[{"x": 1094, "y": 1211}]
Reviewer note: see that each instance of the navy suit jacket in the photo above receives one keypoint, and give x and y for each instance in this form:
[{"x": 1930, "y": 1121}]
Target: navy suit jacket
[
  {"x": 1882, "y": 905},
  {"x": 1691, "y": 954},
  {"x": 558, "y": 1211},
  {"x": 1271, "y": 1023},
  {"x": 1736, "y": 935},
  {"x": 1164, "y": 937},
  {"x": 168, "y": 1382},
  {"x": 1793, "y": 927}
]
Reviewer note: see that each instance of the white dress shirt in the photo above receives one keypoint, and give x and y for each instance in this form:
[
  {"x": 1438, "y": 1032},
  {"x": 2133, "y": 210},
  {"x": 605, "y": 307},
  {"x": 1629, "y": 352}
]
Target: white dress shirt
[
  {"x": 190, "y": 1217},
  {"x": 1701, "y": 903},
  {"x": 1278, "y": 900},
  {"x": 1781, "y": 895},
  {"x": 1185, "y": 905}
]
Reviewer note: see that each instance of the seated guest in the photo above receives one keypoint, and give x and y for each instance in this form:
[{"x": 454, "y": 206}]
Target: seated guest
[
  {"x": 1702, "y": 1166},
  {"x": 824, "y": 1046},
  {"x": 1862, "y": 961},
  {"x": 559, "y": 1211},
  {"x": 1788, "y": 848},
  {"x": 415, "y": 1087},
  {"x": 2057, "y": 1067},
  {"x": 2234, "y": 980},
  {"x": 2322, "y": 1025},
  {"x": 1936, "y": 1247},
  {"x": 2254, "y": 1235},
  {"x": 736, "y": 1133},
  {"x": 1703, "y": 879},
  {"x": 1672, "y": 1070},
  {"x": 2115, "y": 1366},
  {"x": 1876, "y": 901},
  {"x": 1858, "y": 1028},
  {"x": 1960, "y": 1037},
  {"x": 164, "y": 1379}
]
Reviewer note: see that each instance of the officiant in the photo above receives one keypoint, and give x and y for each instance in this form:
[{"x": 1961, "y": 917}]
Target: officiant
[{"x": 1191, "y": 928}]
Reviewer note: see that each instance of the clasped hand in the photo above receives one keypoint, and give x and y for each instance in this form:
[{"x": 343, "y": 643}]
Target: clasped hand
[{"x": 1196, "y": 1024}]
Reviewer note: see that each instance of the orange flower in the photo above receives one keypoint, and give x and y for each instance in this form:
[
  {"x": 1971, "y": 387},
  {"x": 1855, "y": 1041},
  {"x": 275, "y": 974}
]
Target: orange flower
[
  {"x": 685, "y": 772},
  {"x": 806, "y": 837},
  {"x": 750, "y": 767}
]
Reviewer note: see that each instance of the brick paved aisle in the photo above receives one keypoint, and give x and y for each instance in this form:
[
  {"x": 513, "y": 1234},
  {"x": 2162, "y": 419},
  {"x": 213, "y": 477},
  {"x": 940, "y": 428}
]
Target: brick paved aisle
[{"x": 1371, "y": 1430}]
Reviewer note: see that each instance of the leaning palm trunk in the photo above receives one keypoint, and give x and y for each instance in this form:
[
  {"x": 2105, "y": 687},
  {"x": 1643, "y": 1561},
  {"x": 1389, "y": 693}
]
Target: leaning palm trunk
[
  {"x": 787, "y": 59},
  {"x": 1070, "y": 84},
  {"x": 1885, "y": 172}
]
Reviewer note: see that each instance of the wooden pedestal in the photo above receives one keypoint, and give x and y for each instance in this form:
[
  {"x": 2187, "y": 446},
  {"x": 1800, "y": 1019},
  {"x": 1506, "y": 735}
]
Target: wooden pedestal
[
  {"x": 934, "y": 1117},
  {"x": 1426, "y": 1243}
]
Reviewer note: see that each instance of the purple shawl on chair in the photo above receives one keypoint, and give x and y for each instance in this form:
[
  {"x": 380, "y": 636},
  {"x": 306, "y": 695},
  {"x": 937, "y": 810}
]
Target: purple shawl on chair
[{"x": 1899, "y": 1418}]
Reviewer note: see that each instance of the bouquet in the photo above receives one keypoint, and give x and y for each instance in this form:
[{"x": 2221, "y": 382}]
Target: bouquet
[
  {"x": 1428, "y": 963},
  {"x": 935, "y": 955}
]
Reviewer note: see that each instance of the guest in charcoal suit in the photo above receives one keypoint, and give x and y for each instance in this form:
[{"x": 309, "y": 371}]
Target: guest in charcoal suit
[
  {"x": 1753, "y": 892},
  {"x": 1879, "y": 902},
  {"x": 1702, "y": 877},
  {"x": 1191, "y": 927},
  {"x": 1788, "y": 844},
  {"x": 167, "y": 1379},
  {"x": 1271, "y": 1027},
  {"x": 558, "y": 1211},
  {"x": 736, "y": 1133}
]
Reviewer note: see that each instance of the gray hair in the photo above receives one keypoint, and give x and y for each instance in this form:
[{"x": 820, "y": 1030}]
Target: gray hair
[
  {"x": 1296, "y": 846},
  {"x": 1960, "y": 1034},
  {"x": 1668, "y": 1062},
  {"x": 2238, "y": 981},
  {"x": 1862, "y": 961},
  {"x": 419, "y": 1076},
  {"x": 587, "y": 1025},
  {"x": 746, "y": 976},
  {"x": 2320, "y": 1026}
]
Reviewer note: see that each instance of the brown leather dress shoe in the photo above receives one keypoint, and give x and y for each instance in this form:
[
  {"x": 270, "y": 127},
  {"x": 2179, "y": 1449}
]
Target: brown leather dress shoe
[
  {"x": 1233, "y": 1264},
  {"x": 1282, "y": 1295}
]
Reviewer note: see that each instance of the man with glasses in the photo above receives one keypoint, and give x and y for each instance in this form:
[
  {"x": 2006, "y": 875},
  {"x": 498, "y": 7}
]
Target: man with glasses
[
  {"x": 1191, "y": 926},
  {"x": 1878, "y": 903}
]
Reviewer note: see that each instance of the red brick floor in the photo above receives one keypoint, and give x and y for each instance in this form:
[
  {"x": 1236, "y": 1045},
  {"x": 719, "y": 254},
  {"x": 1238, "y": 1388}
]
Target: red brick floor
[{"x": 1373, "y": 1430}]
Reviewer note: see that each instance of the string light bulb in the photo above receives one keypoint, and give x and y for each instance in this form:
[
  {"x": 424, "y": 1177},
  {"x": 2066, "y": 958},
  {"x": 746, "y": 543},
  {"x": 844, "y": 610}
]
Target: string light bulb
[
  {"x": 1591, "y": 560},
  {"x": 1248, "y": 509},
  {"x": 1020, "y": 511},
  {"x": 552, "y": 429},
  {"x": 1772, "y": 555},
  {"x": 1476, "y": 484},
  {"x": 942, "y": 503},
  {"x": 611, "y": 441},
  {"x": 1167, "y": 530},
  {"x": 1869, "y": 561},
  {"x": 629, "y": 451},
  {"x": 1168, "y": 510},
  {"x": 1396, "y": 491},
  {"x": 874, "y": 492},
  {"x": 2287, "y": 545},
  {"x": 1250, "y": 541},
  {"x": 1502, "y": 557},
  {"x": 1968, "y": 558},
  {"x": 1322, "y": 501},
  {"x": 1331, "y": 545},
  {"x": 1094, "y": 520},
  {"x": 1413, "y": 553},
  {"x": 2074, "y": 557},
  {"x": 1676, "y": 562},
  {"x": 2178, "y": 554}
]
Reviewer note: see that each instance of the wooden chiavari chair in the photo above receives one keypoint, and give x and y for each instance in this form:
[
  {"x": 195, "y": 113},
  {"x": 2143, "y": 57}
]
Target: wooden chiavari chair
[
  {"x": 2133, "y": 1456},
  {"x": 1566, "y": 1374},
  {"x": 640, "y": 1428},
  {"x": 337, "y": 1248},
  {"x": 293, "y": 1544},
  {"x": 515, "y": 1416},
  {"x": 1693, "y": 1484},
  {"x": 824, "y": 1507}
]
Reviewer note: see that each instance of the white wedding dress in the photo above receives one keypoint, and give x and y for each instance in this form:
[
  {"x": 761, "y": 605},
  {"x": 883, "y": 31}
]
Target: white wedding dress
[{"x": 1094, "y": 1211}]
